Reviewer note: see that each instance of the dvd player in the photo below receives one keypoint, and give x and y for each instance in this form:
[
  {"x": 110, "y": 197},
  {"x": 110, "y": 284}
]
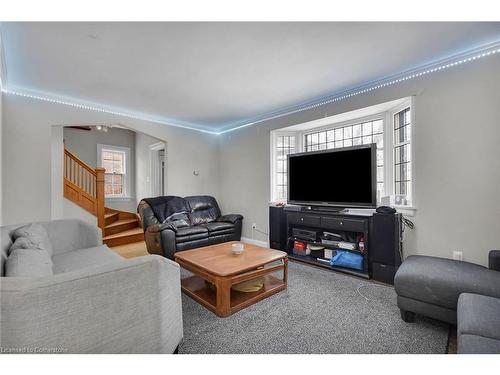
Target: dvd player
[{"x": 304, "y": 234}]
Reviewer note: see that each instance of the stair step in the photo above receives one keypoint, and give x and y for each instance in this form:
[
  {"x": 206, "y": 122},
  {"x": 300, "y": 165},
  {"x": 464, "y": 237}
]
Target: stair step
[
  {"x": 125, "y": 237},
  {"x": 110, "y": 218},
  {"x": 120, "y": 226}
]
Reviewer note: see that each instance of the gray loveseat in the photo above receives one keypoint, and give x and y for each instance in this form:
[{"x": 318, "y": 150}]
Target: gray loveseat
[
  {"x": 456, "y": 292},
  {"x": 94, "y": 302}
]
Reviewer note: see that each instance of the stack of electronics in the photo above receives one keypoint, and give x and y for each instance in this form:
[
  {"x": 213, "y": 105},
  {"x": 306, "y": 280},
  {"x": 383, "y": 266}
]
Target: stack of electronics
[
  {"x": 336, "y": 249},
  {"x": 348, "y": 251}
]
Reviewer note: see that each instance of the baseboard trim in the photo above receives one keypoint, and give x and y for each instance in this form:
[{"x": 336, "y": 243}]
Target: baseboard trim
[{"x": 254, "y": 242}]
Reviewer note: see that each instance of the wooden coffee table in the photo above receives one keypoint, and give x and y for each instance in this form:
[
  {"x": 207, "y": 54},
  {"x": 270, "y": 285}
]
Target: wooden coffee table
[{"x": 221, "y": 268}]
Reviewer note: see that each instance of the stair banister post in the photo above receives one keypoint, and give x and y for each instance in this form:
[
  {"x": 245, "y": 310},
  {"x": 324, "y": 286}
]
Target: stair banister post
[{"x": 100, "y": 197}]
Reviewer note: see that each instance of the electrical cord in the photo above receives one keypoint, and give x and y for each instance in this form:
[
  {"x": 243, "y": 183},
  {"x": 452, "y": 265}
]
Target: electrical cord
[
  {"x": 360, "y": 286},
  {"x": 258, "y": 230}
]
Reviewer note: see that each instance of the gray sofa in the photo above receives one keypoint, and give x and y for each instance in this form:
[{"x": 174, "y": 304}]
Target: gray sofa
[
  {"x": 456, "y": 292},
  {"x": 94, "y": 302}
]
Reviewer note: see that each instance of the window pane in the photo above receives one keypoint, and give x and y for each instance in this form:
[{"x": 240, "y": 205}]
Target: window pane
[
  {"x": 330, "y": 145},
  {"x": 322, "y": 146},
  {"x": 380, "y": 157},
  {"x": 108, "y": 165},
  {"x": 356, "y": 131},
  {"x": 378, "y": 126},
  {"x": 348, "y": 132},
  {"x": 280, "y": 166},
  {"x": 379, "y": 140},
  {"x": 329, "y": 136},
  {"x": 367, "y": 140},
  {"x": 356, "y": 141},
  {"x": 118, "y": 156},
  {"x": 339, "y": 144},
  {"x": 106, "y": 155},
  {"x": 118, "y": 167},
  {"x": 339, "y": 134},
  {"x": 348, "y": 143},
  {"x": 117, "y": 179},
  {"x": 315, "y": 139},
  {"x": 380, "y": 174},
  {"x": 322, "y": 137},
  {"x": 367, "y": 128}
]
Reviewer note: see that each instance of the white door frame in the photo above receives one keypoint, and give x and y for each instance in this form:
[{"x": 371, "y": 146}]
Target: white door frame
[{"x": 154, "y": 168}]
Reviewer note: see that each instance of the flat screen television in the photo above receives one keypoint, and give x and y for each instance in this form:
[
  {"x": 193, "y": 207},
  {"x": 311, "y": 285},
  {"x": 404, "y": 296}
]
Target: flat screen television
[{"x": 344, "y": 177}]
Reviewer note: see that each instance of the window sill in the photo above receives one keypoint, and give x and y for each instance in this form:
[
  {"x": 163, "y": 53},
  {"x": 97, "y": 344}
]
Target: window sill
[
  {"x": 406, "y": 210},
  {"x": 118, "y": 198}
]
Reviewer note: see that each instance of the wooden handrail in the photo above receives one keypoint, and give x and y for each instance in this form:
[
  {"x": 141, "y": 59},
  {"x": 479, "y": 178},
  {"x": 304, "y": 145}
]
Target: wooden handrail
[
  {"x": 79, "y": 161},
  {"x": 84, "y": 185},
  {"x": 100, "y": 196}
]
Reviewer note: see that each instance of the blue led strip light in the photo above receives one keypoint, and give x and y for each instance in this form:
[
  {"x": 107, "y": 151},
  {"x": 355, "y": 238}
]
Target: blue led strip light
[
  {"x": 452, "y": 62},
  {"x": 102, "y": 110},
  {"x": 362, "y": 89}
]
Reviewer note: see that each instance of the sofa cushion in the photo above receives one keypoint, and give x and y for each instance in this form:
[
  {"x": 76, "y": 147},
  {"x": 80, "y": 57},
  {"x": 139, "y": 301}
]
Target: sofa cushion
[
  {"x": 440, "y": 281},
  {"x": 28, "y": 263},
  {"x": 472, "y": 344},
  {"x": 36, "y": 235},
  {"x": 21, "y": 243},
  {"x": 78, "y": 259},
  {"x": 219, "y": 227},
  {"x": 191, "y": 233},
  {"x": 204, "y": 209},
  {"x": 478, "y": 315}
]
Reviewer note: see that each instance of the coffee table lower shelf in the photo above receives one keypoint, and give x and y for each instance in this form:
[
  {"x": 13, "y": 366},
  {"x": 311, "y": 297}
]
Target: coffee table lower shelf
[{"x": 196, "y": 288}]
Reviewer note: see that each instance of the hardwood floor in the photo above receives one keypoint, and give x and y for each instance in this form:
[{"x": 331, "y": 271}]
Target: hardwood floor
[{"x": 131, "y": 250}]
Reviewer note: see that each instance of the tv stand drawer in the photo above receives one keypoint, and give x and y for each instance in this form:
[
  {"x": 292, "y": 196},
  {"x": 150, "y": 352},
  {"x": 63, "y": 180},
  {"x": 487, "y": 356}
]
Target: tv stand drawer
[
  {"x": 353, "y": 225},
  {"x": 301, "y": 219}
]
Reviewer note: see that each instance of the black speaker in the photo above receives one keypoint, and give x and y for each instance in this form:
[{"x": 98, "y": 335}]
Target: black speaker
[
  {"x": 277, "y": 228},
  {"x": 385, "y": 246}
]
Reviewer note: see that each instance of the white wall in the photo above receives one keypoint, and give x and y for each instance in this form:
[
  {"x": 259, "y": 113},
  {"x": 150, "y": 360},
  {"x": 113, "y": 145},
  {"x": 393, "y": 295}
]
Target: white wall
[
  {"x": 27, "y": 141},
  {"x": 456, "y": 166}
]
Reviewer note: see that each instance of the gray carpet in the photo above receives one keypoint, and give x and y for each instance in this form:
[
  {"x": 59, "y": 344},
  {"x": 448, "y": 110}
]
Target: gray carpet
[{"x": 320, "y": 312}]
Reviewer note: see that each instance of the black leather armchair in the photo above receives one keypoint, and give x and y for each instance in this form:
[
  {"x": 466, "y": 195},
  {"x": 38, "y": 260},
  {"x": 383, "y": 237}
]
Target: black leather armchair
[{"x": 174, "y": 224}]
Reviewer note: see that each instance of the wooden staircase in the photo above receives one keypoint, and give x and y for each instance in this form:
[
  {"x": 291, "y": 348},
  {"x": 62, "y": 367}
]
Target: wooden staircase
[{"x": 84, "y": 186}]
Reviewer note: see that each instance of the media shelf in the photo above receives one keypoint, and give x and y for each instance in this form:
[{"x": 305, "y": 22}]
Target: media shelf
[
  {"x": 382, "y": 236},
  {"x": 310, "y": 260},
  {"x": 328, "y": 221}
]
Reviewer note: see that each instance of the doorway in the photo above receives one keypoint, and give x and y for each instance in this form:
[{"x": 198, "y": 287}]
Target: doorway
[{"x": 158, "y": 166}]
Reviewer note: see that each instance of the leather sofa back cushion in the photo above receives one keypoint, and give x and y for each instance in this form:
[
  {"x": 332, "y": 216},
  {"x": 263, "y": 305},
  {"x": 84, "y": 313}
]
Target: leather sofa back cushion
[
  {"x": 28, "y": 263},
  {"x": 35, "y": 237},
  {"x": 204, "y": 209}
]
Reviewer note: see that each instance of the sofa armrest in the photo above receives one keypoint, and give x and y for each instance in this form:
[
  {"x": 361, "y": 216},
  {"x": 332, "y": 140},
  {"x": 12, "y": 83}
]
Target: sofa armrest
[
  {"x": 130, "y": 306},
  {"x": 494, "y": 260},
  {"x": 230, "y": 218}
]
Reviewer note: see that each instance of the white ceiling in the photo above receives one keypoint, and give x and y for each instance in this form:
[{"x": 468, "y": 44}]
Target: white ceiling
[{"x": 215, "y": 75}]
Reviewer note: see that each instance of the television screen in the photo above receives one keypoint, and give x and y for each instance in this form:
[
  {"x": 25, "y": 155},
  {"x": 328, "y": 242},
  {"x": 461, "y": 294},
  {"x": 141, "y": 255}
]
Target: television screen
[{"x": 340, "y": 177}]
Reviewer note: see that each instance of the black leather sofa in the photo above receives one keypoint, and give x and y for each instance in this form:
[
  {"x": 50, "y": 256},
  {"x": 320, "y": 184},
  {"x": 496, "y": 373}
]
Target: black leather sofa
[{"x": 174, "y": 224}]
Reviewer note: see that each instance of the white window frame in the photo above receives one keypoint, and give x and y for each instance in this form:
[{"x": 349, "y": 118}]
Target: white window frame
[
  {"x": 388, "y": 117},
  {"x": 411, "y": 207},
  {"x": 274, "y": 138},
  {"x": 126, "y": 151},
  {"x": 377, "y": 116}
]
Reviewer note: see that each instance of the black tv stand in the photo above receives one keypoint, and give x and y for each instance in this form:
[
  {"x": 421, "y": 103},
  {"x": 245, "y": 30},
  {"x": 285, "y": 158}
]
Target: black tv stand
[{"x": 330, "y": 219}]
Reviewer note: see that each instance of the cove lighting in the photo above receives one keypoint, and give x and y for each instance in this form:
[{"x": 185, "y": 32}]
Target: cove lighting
[
  {"x": 456, "y": 60},
  {"x": 75, "y": 104}
]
